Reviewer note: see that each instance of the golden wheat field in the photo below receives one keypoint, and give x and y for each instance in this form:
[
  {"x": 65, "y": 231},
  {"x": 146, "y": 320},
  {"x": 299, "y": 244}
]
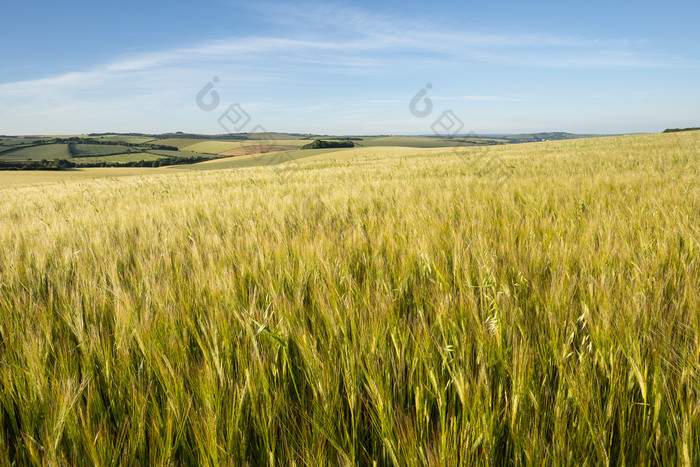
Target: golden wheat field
[{"x": 522, "y": 304}]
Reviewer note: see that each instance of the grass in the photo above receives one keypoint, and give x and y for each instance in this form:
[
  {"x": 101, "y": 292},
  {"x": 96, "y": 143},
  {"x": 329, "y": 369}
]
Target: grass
[
  {"x": 89, "y": 153},
  {"x": 181, "y": 154},
  {"x": 373, "y": 151},
  {"x": 309, "y": 155},
  {"x": 278, "y": 141},
  {"x": 123, "y": 139},
  {"x": 261, "y": 160},
  {"x": 40, "y": 178},
  {"x": 535, "y": 304},
  {"x": 217, "y": 147},
  {"x": 177, "y": 142},
  {"x": 93, "y": 150},
  {"x": 214, "y": 147},
  {"x": 37, "y": 153},
  {"x": 17, "y": 141}
]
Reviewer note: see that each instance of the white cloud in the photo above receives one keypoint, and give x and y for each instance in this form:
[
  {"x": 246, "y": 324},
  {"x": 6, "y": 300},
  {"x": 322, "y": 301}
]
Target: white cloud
[{"x": 141, "y": 86}]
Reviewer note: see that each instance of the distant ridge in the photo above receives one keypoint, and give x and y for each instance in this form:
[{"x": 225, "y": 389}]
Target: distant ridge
[
  {"x": 528, "y": 137},
  {"x": 548, "y": 136}
]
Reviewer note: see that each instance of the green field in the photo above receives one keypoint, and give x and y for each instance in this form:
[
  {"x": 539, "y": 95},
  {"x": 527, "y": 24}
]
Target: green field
[
  {"x": 217, "y": 147},
  {"x": 284, "y": 142},
  {"x": 89, "y": 150},
  {"x": 90, "y": 153},
  {"x": 214, "y": 147},
  {"x": 279, "y": 137},
  {"x": 123, "y": 139},
  {"x": 37, "y": 153},
  {"x": 168, "y": 153},
  {"x": 177, "y": 142},
  {"x": 530, "y": 304},
  {"x": 8, "y": 142}
]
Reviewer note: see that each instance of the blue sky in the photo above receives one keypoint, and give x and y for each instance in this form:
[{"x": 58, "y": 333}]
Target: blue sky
[{"x": 349, "y": 68}]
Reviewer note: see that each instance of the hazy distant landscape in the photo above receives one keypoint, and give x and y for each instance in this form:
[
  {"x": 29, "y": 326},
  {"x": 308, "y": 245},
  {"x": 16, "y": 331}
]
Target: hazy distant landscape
[{"x": 141, "y": 150}]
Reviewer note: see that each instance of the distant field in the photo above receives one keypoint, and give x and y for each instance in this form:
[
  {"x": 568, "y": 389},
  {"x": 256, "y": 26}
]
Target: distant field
[
  {"x": 286, "y": 142},
  {"x": 123, "y": 139},
  {"x": 406, "y": 141},
  {"x": 261, "y": 160},
  {"x": 88, "y": 153},
  {"x": 91, "y": 150},
  {"x": 37, "y": 153},
  {"x": 177, "y": 142},
  {"x": 424, "y": 141},
  {"x": 65, "y": 136},
  {"x": 277, "y": 136},
  {"x": 309, "y": 155},
  {"x": 256, "y": 149},
  {"x": 193, "y": 147},
  {"x": 213, "y": 147},
  {"x": 204, "y": 145},
  {"x": 16, "y": 141},
  {"x": 183, "y": 154},
  {"x": 376, "y": 151},
  {"x": 219, "y": 147}
]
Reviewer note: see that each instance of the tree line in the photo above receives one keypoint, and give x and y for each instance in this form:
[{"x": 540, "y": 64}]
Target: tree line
[
  {"x": 677, "y": 130},
  {"x": 321, "y": 144},
  {"x": 63, "y": 164}
]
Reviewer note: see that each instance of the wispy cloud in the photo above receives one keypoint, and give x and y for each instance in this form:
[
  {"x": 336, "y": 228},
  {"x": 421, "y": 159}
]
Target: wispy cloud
[
  {"x": 406, "y": 99},
  {"x": 298, "y": 61},
  {"x": 365, "y": 52},
  {"x": 472, "y": 98}
]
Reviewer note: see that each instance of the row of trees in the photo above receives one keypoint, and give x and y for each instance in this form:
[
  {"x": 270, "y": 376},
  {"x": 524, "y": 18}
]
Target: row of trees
[
  {"x": 57, "y": 164},
  {"x": 677, "y": 130},
  {"x": 78, "y": 140},
  {"x": 163, "y": 161},
  {"x": 321, "y": 144},
  {"x": 62, "y": 164}
]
